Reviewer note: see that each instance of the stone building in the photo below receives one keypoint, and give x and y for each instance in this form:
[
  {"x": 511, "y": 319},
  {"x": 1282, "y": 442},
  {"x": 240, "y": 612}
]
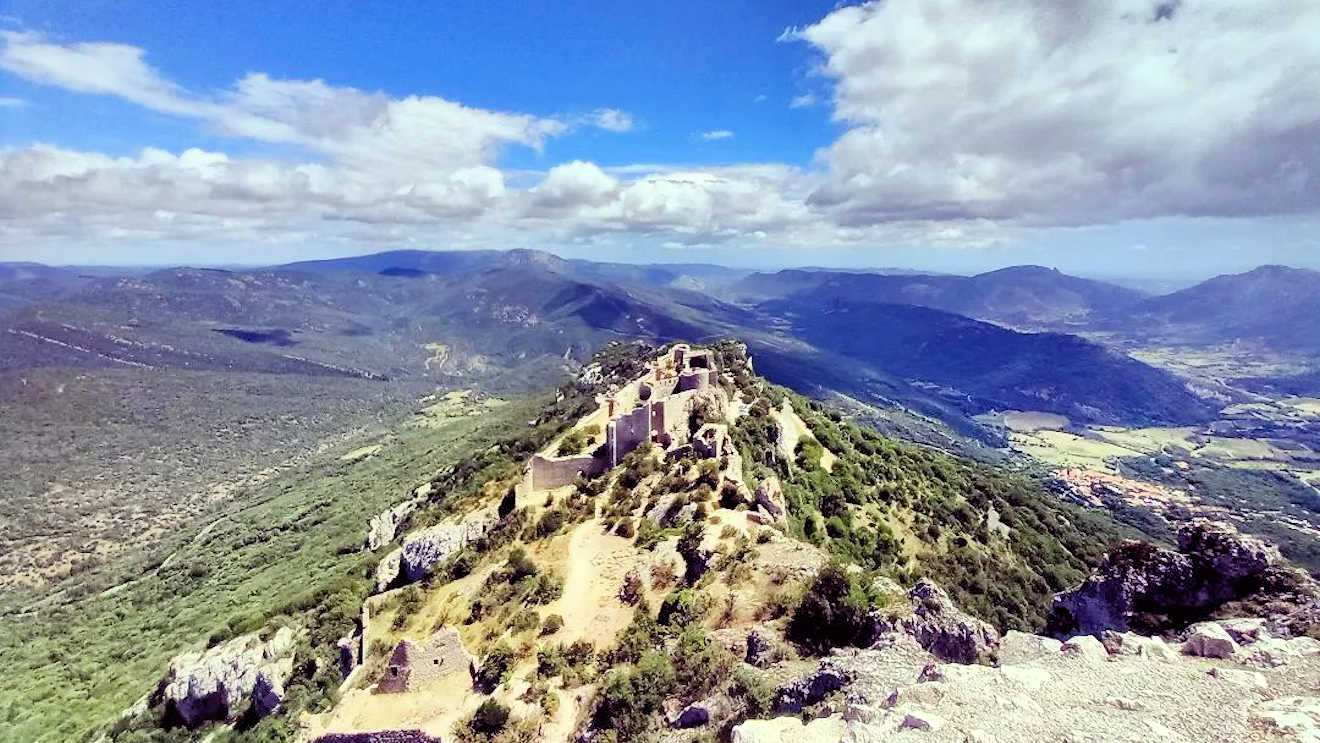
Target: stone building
[
  {"x": 653, "y": 407},
  {"x": 416, "y": 664}
]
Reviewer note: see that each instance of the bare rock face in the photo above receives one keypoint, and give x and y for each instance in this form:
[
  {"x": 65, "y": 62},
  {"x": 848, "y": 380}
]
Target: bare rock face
[
  {"x": 770, "y": 501},
  {"x": 942, "y": 628},
  {"x": 383, "y": 528},
  {"x": 387, "y": 570},
  {"x": 204, "y": 686},
  {"x": 792, "y": 696},
  {"x": 1137, "y": 581},
  {"x": 424, "y": 550}
]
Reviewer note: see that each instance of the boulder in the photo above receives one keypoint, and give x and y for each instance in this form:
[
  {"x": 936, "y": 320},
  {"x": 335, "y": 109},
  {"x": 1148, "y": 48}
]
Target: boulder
[
  {"x": 1018, "y": 646},
  {"x": 703, "y": 712},
  {"x": 941, "y": 628},
  {"x": 1087, "y": 648},
  {"x": 1132, "y": 644},
  {"x": 792, "y": 696},
  {"x": 920, "y": 719},
  {"x": 770, "y": 500},
  {"x": 761, "y": 652},
  {"x": 1209, "y": 640},
  {"x": 1213, "y": 564},
  {"x": 782, "y": 729},
  {"x": 210, "y": 685},
  {"x": 928, "y": 693}
]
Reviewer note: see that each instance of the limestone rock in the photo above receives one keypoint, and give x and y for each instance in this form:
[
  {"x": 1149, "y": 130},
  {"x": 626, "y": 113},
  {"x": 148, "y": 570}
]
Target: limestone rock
[
  {"x": 1213, "y": 564},
  {"x": 929, "y": 694},
  {"x": 1087, "y": 648},
  {"x": 383, "y": 528},
  {"x": 703, "y": 712},
  {"x": 424, "y": 550},
  {"x": 1296, "y": 717},
  {"x": 1209, "y": 640},
  {"x": 788, "y": 730},
  {"x": 761, "y": 651},
  {"x": 940, "y": 627},
  {"x": 1247, "y": 679},
  {"x": 770, "y": 500},
  {"x": 920, "y": 719},
  {"x": 210, "y": 685},
  {"x": 794, "y": 695},
  {"x": 388, "y": 569},
  {"x": 1018, "y": 646},
  {"x": 1130, "y": 643}
]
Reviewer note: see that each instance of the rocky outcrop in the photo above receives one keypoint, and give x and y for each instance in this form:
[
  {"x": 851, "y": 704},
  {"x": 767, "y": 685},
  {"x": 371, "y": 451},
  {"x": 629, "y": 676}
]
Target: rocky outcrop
[
  {"x": 212, "y": 685},
  {"x": 388, "y": 569},
  {"x": 383, "y": 528},
  {"x": 425, "y": 549},
  {"x": 941, "y": 627},
  {"x": 1151, "y": 589},
  {"x": 769, "y": 501},
  {"x": 792, "y": 696}
]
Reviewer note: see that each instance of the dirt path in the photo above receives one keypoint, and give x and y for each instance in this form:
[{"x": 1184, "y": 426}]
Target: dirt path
[{"x": 593, "y": 572}]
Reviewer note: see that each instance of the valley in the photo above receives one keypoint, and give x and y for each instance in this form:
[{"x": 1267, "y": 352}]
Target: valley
[{"x": 188, "y": 443}]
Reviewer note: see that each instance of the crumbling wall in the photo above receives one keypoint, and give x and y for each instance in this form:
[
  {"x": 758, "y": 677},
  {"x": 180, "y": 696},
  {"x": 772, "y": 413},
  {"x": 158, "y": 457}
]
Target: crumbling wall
[
  {"x": 555, "y": 472},
  {"x": 695, "y": 379},
  {"x": 627, "y": 432},
  {"x": 413, "y": 665}
]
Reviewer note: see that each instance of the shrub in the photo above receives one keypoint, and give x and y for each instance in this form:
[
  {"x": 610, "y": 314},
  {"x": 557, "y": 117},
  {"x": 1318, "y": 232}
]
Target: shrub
[
  {"x": 547, "y": 588},
  {"x": 699, "y": 664},
  {"x": 834, "y": 611},
  {"x": 572, "y": 443},
  {"x": 495, "y": 667},
  {"x": 631, "y": 590},
  {"x": 752, "y": 689},
  {"x": 684, "y": 607},
  {"x": 552, "y": 624},
  {"x": 550, "y": 522},
  {"x": 630, "y": 697},
  {"x": 490, "y": 718},
  {"x": 626, "y": 529},
  {"x": 648, "y": 535},
  {"x": 525, "y": 620}
]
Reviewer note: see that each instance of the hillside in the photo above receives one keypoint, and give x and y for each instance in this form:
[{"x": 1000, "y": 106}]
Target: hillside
[
  {"x": 1029, "y": 297},
  {"x": 1274, "y": 306},
  {"x": 782, "y": 486},
  {"x": 975, "y": 366}
]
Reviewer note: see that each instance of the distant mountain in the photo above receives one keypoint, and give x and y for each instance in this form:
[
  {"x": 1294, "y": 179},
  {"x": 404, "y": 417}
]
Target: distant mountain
[
  {"x": 975, "y": 366},
  {"x": 1029, "y": 297},
  {"x": 1274, "y": 305},
  {"x": 24, "y": 283},
  {"x": 454, "y": 262}
]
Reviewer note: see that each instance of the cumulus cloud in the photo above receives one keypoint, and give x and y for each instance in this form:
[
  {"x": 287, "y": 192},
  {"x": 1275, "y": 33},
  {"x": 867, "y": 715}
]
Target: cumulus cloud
[
  {"x": 1070, "y": 113},
  {"x": 963, "y": 122}
]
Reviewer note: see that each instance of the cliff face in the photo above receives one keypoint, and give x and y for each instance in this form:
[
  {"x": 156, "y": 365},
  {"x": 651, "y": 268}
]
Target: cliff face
[{"x": 1152, "y": 589}]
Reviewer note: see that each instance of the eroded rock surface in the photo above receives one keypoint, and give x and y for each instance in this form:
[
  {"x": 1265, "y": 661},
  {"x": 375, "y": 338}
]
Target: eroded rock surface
[
  {"x": 941, "y": 627},
  {"x": 1150, "y": 589},
  {"x": 211, "y": 685}
]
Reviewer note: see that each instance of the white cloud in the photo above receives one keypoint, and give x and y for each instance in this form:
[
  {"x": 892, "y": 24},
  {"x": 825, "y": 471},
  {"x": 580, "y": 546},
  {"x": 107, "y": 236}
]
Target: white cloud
[
  {"x": 964, "y": 123},
  {"x": 10, "y": 102},
  {"x": 1070, "y": 113}
]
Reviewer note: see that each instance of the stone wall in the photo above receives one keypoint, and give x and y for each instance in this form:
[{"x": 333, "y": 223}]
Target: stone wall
[
  {"x": 627, "y": 432},
  {"x": 413, "y": 664},
  {"x": 555, "y": 472},
  {"x": 694, "y": 380}
]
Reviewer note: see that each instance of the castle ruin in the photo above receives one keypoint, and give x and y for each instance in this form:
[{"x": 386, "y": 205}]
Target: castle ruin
[{"x": 654, "y": 407}]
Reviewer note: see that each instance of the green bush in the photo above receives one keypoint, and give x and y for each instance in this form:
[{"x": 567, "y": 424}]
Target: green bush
[
  {"x": 552, "y": 624},
  {"x": 489, "y": 718},
  {"x": 630, "y": 697},
  {"x": 495, "y": 667},
  {"x": 684, "y": 607},
  {"x": 834, "y": 611}
]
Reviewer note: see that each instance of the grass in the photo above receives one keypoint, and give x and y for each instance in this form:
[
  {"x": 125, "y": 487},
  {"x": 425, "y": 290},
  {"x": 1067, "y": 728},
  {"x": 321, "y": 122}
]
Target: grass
[
  {"x": 282, "y": 548},
  {"x": 1063, "y": 449}
]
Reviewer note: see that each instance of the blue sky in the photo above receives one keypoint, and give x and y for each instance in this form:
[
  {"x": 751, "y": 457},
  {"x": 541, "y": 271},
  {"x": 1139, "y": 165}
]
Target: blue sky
[{"x": 1109, "y": 140}]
